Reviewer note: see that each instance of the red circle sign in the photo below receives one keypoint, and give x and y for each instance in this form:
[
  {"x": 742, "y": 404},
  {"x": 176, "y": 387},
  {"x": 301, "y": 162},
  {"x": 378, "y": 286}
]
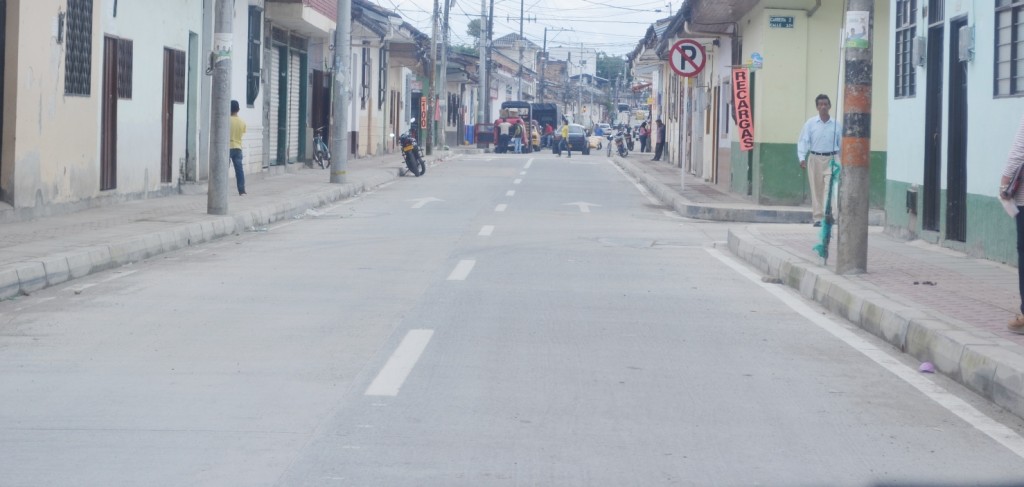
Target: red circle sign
[{"x": 687, "y": 58}]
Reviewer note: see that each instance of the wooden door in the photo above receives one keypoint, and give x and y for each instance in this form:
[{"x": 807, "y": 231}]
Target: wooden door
[
  {"x": 167, "y": 118},
  {"x": 108, "y": 129}
]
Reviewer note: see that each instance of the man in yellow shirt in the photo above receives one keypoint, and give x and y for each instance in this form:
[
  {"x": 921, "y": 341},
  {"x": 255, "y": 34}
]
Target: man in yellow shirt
[{"x": 237, "y": 131}]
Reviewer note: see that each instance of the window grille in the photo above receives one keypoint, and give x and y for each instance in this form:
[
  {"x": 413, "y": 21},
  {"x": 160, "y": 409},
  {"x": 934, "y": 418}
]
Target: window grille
[
  {"x": 78, "y": 52},
  {"x": 906, "y": 29},
  {"x": 252, "y": 89},
  {"x": 365, "y": 80},
  {"x": 1009, "y": 55},
  {"x": 382, "y": 78},
  {"x": 124, "y": 69},
  {"x": 178, "y": 65}
]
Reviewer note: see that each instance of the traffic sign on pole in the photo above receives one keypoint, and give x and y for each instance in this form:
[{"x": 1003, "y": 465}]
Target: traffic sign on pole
[{"x": 687, "y": 58}]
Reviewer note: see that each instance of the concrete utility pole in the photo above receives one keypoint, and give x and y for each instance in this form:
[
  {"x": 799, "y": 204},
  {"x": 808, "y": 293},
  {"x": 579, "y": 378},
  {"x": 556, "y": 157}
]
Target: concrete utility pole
[
  {"x": 490, "y": 40},
  {"x": 443, "y": 84},
  {"x": 342, "y": 55},
  {"x": 220, "y": 118},
  {"x": 519, "y": 83},
  {"x": 485, "y": 93},
  {"x": 852, "y": 233},
  {"x": 428, "y": 117}
]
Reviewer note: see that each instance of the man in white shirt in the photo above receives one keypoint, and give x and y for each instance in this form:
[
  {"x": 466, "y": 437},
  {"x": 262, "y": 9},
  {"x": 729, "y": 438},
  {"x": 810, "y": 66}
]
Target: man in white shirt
[{"x": 819, "y": 142}]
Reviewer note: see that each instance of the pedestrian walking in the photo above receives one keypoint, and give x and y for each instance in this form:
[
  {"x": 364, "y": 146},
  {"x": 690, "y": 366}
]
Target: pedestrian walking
[
  {"x": 1015, "y": 193},
  {"x": 659, "y": 148},
  {"x": 235, "y": 149},
  {"x": 818, "y": 144}
]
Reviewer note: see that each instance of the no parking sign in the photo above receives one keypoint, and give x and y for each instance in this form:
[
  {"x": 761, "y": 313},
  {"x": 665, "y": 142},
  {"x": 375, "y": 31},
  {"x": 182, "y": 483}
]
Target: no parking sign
[{"x": 687, "y": 58}]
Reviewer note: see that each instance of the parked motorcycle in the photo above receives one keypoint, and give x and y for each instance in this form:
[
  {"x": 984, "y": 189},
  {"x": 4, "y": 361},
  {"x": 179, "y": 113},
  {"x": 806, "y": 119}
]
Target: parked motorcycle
[
  {"x": 621, "y": 144},
  {"x": 411, "y": 151}
]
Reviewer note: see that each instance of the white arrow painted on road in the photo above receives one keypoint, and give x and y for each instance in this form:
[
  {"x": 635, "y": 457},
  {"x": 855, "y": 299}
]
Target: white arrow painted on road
[
  {"x": 420, "y": 203},
  {"x": 584, "y": 206}
]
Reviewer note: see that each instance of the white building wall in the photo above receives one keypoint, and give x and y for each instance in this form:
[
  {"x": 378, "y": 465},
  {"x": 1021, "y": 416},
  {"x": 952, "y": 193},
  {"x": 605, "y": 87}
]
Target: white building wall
[
  {"x": 139, "y": 119},
  {"x": 992, "y": 121}
]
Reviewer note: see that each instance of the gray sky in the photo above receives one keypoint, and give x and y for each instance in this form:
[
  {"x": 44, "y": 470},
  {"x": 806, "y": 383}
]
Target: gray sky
[{"x": 612, "y": 26}]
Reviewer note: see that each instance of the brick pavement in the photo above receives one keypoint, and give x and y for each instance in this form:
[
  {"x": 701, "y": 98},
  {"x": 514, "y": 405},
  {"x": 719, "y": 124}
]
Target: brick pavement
[{"x": 978, "y": 293}]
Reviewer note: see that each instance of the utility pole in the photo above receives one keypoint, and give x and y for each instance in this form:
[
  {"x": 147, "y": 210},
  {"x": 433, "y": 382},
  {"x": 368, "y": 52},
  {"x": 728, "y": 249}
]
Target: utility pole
[
  {"x": 428, "y": 117},
  {"x": 490, "y": 40},
  {"x": 544, "y": 63},
  {"x": 519, "y": 83},
  {"x": 485, "y": 92},
  {"x": 852, "y": 238},
  {"x": 443, "y": 84},
  {"x": 342, "y": 55},
  {"x": 220, "y": 119}
]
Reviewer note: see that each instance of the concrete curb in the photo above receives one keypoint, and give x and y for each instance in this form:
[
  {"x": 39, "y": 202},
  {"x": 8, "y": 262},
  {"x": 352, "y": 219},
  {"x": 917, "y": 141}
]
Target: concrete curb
[
  {"x": 711, "y": 212},
  {"x": 983, "y": 362},
  {"x": 29, "y": 276}
]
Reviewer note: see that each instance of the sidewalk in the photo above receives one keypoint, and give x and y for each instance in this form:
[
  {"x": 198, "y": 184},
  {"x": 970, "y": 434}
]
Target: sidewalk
[
  {"x": 43, "y": 252},
  {"x": 935, "y": 304}
]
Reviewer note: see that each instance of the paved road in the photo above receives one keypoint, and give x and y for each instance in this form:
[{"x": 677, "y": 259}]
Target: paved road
[{"x": 504, "y": 320}]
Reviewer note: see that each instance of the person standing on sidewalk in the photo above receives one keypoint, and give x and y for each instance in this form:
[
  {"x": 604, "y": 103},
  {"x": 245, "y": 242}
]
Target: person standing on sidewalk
[
  {"x": 1013, "y": 165},
  {"x": 645, "y": 135},
  {"x": 818, "y": 143},
  {"x": 235, "y": 153},
  {"x": 659, "y": 147}
]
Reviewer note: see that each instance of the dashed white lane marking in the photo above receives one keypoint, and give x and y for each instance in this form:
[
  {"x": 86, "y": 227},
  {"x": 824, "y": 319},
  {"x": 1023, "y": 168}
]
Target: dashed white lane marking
[
  {"x": 501, "y": 207},
  {"x": 462, "y": 270},
  {"x": 522, "y": 173},
  {"x": 510, "y": 193},
  {"x": 995, "y": 430},
  {"x": 486, "y": 231},
  {"x": 390, "y": 379},
  {"x": 528, "y": 164},
  {"x": 517, "y": 181}
]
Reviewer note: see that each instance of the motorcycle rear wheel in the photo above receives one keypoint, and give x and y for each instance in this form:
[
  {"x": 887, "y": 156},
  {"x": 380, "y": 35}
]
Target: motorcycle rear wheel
[{"x": 415, "y": 164}]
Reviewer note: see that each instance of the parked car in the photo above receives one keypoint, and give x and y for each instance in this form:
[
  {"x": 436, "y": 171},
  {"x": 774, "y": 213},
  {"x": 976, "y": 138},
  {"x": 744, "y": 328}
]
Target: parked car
[
  {"x": 577, "y": 140},
  {"x": 605, "y": 128}
]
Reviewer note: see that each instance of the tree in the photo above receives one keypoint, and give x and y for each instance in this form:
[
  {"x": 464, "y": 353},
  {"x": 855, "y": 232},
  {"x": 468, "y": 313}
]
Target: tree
[
  {"x": 473, "y": 29},
  {"x": 609, "y": 66}
]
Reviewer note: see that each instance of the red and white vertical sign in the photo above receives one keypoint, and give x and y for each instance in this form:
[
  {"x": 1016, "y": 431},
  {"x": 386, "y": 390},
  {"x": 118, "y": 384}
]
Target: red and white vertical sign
[{"x": 741, "y": 105}]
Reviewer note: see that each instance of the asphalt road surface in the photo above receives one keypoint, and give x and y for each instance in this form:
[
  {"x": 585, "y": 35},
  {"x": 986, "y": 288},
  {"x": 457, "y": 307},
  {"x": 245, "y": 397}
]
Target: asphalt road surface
[{"x": 504, "y": 320}]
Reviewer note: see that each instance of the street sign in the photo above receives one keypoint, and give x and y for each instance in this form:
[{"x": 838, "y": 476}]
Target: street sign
[
  {"x": 780, "y": 22},
  {"x": 687, "y": 58}
]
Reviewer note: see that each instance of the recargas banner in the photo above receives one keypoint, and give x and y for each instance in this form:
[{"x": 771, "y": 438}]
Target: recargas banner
[{"x": 741, "y": 101}]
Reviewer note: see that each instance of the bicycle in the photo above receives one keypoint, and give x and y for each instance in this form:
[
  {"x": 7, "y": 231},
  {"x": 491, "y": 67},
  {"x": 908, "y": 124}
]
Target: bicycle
[{"x": 321, "y": 153}]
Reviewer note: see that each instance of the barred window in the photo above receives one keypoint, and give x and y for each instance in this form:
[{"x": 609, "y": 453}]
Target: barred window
[
  {"x": 1009, "y": 58},
  {"x": 255, "y": 51},
  {"x": 124, "y": 68},
  {"x": 78, "y": 52},
  {"x": 906, "y": 29},
  {"x": 364, "y": 90},
  {"x": 178, "y": 73}
]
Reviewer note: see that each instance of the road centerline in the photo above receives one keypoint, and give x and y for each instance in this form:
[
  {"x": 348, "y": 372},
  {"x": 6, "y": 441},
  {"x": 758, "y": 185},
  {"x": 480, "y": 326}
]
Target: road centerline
[{"x": 398, "y": 367}]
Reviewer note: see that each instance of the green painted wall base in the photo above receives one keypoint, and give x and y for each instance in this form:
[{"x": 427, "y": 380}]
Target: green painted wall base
[
  {"x": 776, "y": 178},
  {"x": 991, "y": 233}
]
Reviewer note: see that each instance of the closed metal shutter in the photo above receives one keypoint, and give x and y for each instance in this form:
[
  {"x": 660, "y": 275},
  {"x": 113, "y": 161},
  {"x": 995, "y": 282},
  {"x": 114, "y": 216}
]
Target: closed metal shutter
[
  {"x": 275, "y": 102},
  {"x": 294, "y": 75}
]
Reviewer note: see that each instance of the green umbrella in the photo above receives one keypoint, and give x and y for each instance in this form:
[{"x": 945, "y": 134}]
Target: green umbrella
[{"x": 826, "y": 224}]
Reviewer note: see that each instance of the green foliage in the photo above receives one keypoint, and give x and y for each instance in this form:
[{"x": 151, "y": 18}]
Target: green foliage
[
  {"x": 473, "y": 29},
  {"x": 609, "y": 66},
  {"x": 467, "y": 50}
]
